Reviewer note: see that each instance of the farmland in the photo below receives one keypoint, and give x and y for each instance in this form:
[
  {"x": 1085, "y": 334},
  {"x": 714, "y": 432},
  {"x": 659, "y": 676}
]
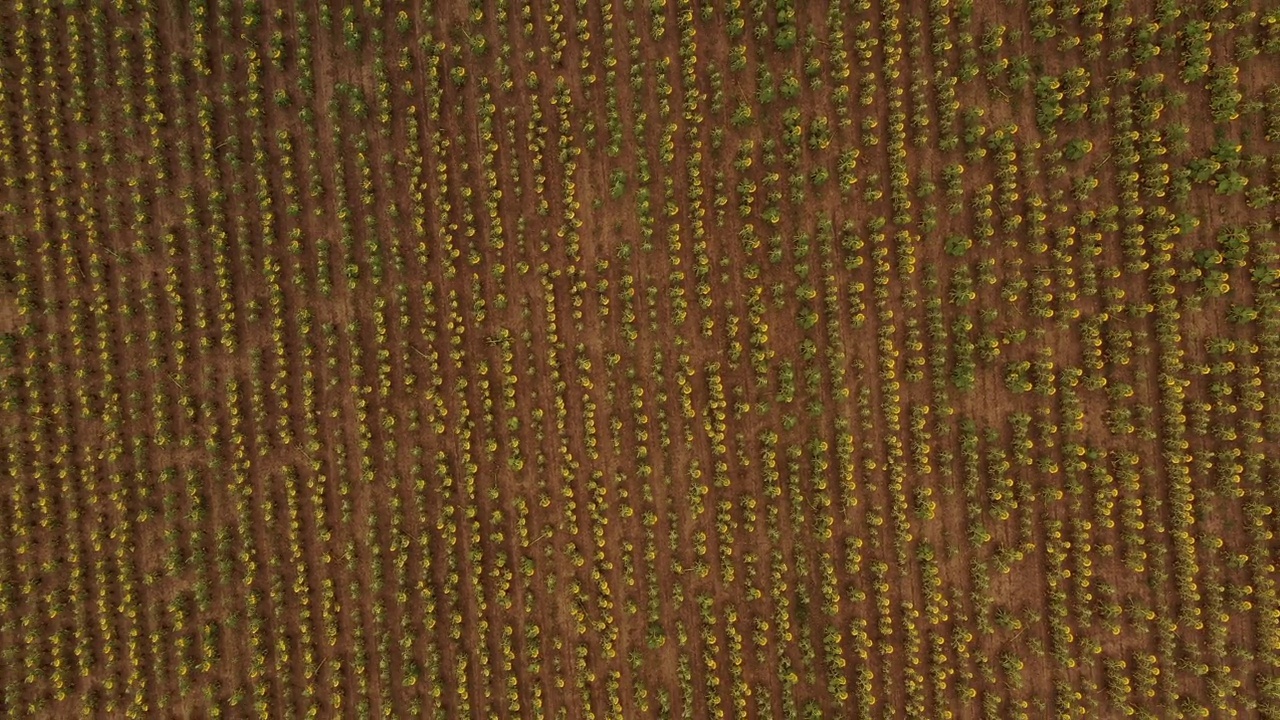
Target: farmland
[{"x": 639, "y": 358}]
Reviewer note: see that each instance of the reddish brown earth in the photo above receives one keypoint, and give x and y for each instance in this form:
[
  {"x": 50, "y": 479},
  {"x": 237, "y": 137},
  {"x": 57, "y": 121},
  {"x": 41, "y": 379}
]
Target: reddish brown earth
[{"x": 372, "y": 523}]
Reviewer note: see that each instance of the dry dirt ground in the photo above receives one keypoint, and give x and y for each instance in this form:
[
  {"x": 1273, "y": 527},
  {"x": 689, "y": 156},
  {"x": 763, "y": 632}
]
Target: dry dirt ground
[{"x": 461, "y": 360}]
